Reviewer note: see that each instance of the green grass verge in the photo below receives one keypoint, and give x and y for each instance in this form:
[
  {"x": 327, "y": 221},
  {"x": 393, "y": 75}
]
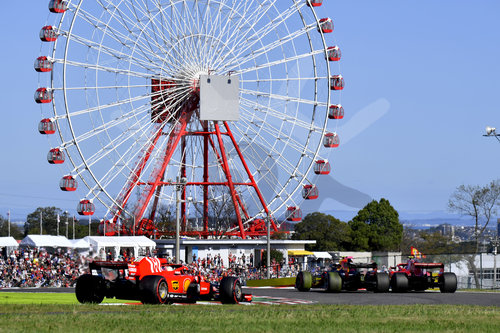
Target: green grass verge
[
  {"x": 46, "y": 298},
  {"x": 290, "y": 281},
  {"x": 52, "y": 312},
  {"x": 239, "y": 318}
]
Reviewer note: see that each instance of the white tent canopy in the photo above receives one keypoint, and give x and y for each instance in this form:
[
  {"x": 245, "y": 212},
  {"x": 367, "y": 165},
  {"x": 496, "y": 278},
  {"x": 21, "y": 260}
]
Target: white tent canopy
[
  {"x": 321, "y": 255},
  {"x": 45, "y": 241},
  {"x": 79, "y": 243},
  {"x": 8, "y": 242},
  {"x": 101, "y": 245}
]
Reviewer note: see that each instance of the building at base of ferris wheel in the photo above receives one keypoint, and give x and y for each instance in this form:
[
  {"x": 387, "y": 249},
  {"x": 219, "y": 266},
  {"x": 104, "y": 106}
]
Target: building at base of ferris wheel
[{"x": 202, "y": 248}]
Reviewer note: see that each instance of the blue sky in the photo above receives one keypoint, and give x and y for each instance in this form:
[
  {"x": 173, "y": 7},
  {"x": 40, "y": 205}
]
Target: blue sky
[{"x": 434, "y": 64}]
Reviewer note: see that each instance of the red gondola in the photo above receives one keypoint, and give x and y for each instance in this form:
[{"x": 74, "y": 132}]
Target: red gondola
[
  {"x": 336, "y": 111},
  {"x": 331, "y": 140},
  {"x": 325, "y": 25},
  {"x": 56, "y": 156},
  {"x": 58, "y": 6},
  {"x": 333, "y": 53},
  {"x": 43, "y": 95},
  {"x": 322, "y": 167},
  {"x": 293, "y": 214},
  {"x": 314, "y": 3},
  {"x": 111, "y": 228},
  {"x": 337, "y": 82},
  {"x": 310, "y": 192},
  {"x": 85, "y": 207},
  {"x": 43, "y": 64},
  {"x": 48, "y": 34},
  {"x": 68, "y": 183},
  {"x": 46, "y": 126}
]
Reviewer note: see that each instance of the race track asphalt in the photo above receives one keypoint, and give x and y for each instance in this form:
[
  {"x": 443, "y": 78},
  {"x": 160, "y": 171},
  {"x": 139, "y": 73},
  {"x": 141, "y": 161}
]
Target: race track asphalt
[
  {"x": 292, "y": 296},
  {"x": 370, "y": 298}
]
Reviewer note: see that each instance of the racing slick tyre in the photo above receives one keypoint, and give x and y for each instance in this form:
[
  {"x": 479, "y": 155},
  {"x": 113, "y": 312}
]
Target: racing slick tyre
[
  {"x": 303, "y": 281},
  {"x": 89, "y": 289},
  {"x": 153, "y": 289},
  {"x": 230, "y": 291},
  {"x": 333, "y": 282},
  {"x": 383, "y": 282},
  {"x": 193, "y": 293},
  {"x": 448, "y": 282},
  {"x": 399, "y": 283}
]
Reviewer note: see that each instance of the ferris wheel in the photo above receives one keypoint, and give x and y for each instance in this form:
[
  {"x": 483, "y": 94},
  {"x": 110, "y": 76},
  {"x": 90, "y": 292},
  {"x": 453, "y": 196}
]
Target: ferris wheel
[{"x": 225, "y": 107}]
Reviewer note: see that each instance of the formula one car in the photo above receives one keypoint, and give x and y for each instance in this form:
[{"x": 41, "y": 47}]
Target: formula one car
[
  {"x": 418, "y": 276},
  {"x": 347, "y": 276},
  {"x": 153, "y": 281}
]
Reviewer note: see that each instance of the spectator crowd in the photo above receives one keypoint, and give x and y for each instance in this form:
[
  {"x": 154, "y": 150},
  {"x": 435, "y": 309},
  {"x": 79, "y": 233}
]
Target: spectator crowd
[
  {"x": 27, "y": 268},
  {"x": 37, "y": 268}
]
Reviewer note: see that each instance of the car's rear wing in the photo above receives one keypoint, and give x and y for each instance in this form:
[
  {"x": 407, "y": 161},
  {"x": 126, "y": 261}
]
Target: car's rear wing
[
  {"x": 425, "y": 265},
  {"x": 372, "y": 265},
  {"x": 351, "y": 265},
  {"x": 108, "y": 264}
]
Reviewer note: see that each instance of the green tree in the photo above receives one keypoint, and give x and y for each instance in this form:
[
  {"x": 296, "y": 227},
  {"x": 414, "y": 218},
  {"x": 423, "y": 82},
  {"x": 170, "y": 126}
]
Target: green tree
[
  {"x": 49, "y": 221},
  {"x": 275, "y": 254},
  {"x": 15, "y": 231},
  {"x": 376, "y": 228},
  {"x": 328, "y": 232}
]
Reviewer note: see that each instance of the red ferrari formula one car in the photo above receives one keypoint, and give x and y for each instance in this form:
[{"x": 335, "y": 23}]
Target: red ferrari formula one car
[
  {"x": 418, "y": 276},
  {"x": 347, "y": 276},
  {"x": 153, "y": 281}
]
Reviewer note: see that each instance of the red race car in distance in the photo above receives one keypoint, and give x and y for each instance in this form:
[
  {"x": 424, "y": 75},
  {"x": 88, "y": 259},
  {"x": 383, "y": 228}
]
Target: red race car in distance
[{"x": 419, "y": 276}]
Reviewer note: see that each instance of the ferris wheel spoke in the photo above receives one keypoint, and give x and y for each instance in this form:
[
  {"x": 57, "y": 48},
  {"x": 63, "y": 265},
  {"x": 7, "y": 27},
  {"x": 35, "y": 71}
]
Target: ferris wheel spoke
[
  {"x": 136, "y": 41},
  {"x": 90, "y": 110},
  {"x": 286, "y": 79},
  {"x": 132, "y": 157},
  {"x": 110, "y": 147},
  {"x": 152, "y": 29},
  {"x": 280, "y": 136},
  {"x": 102, "y": 68},
  {"x": 224, "y": 32},
  {"x": 280, "y": 61},
  {"x": 121, "y": 38},
  {"x": 245, "y": 43},
  {"x": 101, "y": 87},
  {"x": 254, "y": 17},
  {"x": 119, "y": 55},
  {"x": 109, "y": 125},
  {"x": 241, "y": 58},
  {"x": 250, "y": 125},
  {"x": 252, "y": 105},
  {"x": 267, "y": 176},
  {"x": 282, "y": 98}
]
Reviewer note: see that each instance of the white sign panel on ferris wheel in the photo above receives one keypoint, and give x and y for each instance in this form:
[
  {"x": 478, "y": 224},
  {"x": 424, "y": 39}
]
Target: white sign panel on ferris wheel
[{"x": 219, "y": 98}]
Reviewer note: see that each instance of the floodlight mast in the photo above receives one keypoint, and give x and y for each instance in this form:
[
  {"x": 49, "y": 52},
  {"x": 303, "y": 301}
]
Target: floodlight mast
[{"x": 491, "y": 131}]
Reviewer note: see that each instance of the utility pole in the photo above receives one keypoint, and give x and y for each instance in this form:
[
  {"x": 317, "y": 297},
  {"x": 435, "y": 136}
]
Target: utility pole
[
  {"x": 40, "y": 223},
  {"x": 495, "y": 251},
  {"x": 268, "y": 220},
  {"x": 177, "y": 221},
  {"x": 8, "y": 222},
  {"x": 58, "y": 221},
  {"x": 179, "y": 186},
  {"x": 67, "y": 224},
  {"x": 73, "y": 227}
]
